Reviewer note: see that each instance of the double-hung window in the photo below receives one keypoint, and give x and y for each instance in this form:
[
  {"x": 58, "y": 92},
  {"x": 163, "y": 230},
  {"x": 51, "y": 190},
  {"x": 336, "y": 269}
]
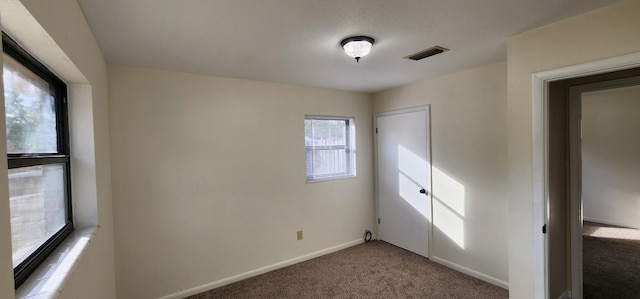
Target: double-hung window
[
  {"x": 38, "y": 158},
  {"x": 330, "y": 146}
]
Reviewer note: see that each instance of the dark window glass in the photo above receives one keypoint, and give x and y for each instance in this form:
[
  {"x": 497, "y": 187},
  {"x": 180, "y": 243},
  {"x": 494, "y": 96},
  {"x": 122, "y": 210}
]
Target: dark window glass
[{"x": 38, "y": 159}]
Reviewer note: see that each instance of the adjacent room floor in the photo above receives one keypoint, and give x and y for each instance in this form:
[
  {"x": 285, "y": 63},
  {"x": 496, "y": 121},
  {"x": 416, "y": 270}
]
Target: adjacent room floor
[{"x": 611, "y": 261}]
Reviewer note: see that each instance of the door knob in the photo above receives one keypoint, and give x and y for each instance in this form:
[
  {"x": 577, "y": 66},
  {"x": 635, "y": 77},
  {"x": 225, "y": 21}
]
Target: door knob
[{"x": 423, "y": 191}]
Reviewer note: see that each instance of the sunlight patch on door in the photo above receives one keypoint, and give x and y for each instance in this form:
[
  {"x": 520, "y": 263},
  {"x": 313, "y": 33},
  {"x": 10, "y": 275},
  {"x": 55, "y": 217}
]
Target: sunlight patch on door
[
  {"x": 449, "y": 194},
  {"x": 412, "y": 165},
  {"x": 409, "y": 192},
  {"x": 413, "y": 176}
]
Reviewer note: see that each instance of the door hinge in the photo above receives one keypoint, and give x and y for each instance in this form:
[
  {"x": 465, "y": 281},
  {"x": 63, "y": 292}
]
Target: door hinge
[
  {"x": 376, "y": 130},
  {"x": 378, "y": 220},
  {"x": 544, "y": 229}
]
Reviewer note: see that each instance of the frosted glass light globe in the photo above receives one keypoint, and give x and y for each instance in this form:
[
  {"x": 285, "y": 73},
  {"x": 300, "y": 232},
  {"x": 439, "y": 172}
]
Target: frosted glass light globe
[
  {"x": 357, "y": 46},
  {"x": 357, "y": 49}
]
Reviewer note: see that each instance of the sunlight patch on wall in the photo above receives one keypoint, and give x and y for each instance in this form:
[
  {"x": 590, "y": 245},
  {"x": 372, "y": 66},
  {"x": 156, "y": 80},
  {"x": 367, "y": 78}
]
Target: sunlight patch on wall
[
  {"x": 448, "y": 222},
  {"x": 448, "y": 206},
  {"x": 449, "y": 191}
]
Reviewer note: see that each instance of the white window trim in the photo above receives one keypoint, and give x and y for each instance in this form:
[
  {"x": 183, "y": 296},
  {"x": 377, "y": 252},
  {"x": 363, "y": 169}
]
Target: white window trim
[
  {"x": 351, "y": 149},
  {"x": 52, "y": 275}
]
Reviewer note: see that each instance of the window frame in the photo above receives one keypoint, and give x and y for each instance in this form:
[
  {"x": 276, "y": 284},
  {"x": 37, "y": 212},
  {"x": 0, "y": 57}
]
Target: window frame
[
  {"x": 349, "y": 147},
  {"x": 62, "y": 156}
]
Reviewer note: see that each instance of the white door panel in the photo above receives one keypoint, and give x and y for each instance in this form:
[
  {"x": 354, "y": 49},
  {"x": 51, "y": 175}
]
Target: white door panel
[{"x": 403, "y": 170}]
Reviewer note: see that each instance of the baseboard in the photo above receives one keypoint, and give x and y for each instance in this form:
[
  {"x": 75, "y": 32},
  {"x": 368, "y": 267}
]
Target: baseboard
[
  {"x": 470, "y": 272},
  {"x": 256, "y": 272},
  {"x": 610, "y": 222}
]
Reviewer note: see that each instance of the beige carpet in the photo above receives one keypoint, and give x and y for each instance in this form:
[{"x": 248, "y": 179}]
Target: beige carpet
[
  {"x": 370, "y": 270},
  {"x": 611, "y": 261}
]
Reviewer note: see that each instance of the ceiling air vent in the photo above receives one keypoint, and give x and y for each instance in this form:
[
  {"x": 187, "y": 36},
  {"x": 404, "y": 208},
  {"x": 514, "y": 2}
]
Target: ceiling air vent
[{"x": 426, "y": 53}]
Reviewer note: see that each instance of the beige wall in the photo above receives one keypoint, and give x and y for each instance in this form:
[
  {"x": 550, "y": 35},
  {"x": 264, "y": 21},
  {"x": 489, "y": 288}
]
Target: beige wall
[
  {"x": 610, "y": 164},
  {"x": 229, "y": 207},
  {"x": 57, "y": 33},
  {"x": 468, "y": 142},
  {"x": 604, "y": 33},
  {"x": 209, "y": 178}
]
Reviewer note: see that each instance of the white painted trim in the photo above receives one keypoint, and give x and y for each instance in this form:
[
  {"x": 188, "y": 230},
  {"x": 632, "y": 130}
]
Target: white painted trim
[
  {"x": 403, "y": 111},
  {"x": 490, "y": 279},
  {"x": 591, "y": 68},
  {"x": 609, "y": 222},
  {"x": 50, "y": 278},
  {"x": 427, "y": 109},
  {"x": 539, "y": 148},
  {"x": 376, "y": 170},
  {"x": 83, "y": 167},
  {"x": 256, "y": 272},
  {"x": 540, "y": 192}
]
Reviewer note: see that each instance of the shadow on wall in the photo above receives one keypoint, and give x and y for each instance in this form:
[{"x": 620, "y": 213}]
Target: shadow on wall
[{"x": 448, "y": 195}]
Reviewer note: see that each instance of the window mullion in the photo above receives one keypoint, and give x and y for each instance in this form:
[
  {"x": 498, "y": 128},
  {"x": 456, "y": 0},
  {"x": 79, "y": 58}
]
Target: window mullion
[
  {"x": 313, "y": 148},
  {"x": 331, "y": 154},
  {"x": 26, "y": 162}
]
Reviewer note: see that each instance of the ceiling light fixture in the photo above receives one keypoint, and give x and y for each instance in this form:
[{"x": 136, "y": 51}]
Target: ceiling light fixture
[{"x": 357, "y": 46}]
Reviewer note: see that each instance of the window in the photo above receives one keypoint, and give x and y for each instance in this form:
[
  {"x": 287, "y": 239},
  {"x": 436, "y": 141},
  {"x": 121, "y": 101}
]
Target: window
[
  {"x": 38, "y": 159},
  {"x": 330, "y": 145}
]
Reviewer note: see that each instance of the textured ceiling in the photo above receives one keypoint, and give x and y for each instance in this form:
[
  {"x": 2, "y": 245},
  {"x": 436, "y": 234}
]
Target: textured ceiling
[{"x": 297, "y": 41}]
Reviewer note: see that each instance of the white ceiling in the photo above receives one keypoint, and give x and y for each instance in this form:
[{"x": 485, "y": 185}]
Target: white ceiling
[{"x": 297, "y": 41}]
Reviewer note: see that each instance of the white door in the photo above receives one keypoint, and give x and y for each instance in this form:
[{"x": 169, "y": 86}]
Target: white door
[{"x": 404, "y": 178}]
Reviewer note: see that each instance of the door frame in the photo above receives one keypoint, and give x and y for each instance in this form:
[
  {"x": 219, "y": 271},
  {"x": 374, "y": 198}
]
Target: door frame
[
  {"x": 540, "y": 154},
  {"x": 427, "y": 110}
]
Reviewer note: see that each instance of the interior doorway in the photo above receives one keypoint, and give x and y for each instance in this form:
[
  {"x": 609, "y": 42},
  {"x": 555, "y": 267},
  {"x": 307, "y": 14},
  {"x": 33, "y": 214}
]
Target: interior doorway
[
  {"x": 404, "y": 178},
  {"x": 564, "y": 204}
]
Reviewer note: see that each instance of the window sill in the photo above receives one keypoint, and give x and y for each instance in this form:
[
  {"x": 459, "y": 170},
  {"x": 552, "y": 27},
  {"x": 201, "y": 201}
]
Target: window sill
[
  {"x": 50, "y": 277},
  {"x": 330, "y": 179}
]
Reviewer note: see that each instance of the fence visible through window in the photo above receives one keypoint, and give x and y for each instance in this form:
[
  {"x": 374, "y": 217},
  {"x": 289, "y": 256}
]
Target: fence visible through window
[{"x": 329, "y": 147}]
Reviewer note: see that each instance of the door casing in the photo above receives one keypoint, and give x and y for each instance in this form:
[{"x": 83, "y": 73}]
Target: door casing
[
  {"x": 426, "y": 109},
  {"x": 540, "y": 155}
]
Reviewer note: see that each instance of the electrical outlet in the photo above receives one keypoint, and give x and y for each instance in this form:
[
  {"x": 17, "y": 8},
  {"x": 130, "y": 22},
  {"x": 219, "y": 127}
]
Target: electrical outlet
[{"x": 299, "y": 235}]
